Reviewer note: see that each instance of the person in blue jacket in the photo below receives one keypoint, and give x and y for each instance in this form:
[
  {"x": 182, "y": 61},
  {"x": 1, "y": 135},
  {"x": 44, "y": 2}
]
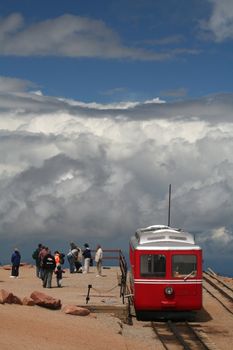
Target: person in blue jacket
[{"x": 15, "y": 261}]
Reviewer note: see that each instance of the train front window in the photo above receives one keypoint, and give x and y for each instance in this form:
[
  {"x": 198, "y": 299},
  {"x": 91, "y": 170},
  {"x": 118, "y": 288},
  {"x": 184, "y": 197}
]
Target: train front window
[
  {"x": 184, "y": 266},
  {"x": 153, "y": 265}
]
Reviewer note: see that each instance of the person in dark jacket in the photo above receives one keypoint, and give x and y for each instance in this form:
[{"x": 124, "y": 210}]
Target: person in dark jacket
[
  {"x": 15, "y": 260},
  {"x": 48, "y": 265},
  {"x": 37, "y": 259},
  {"x": 59, "y": 272},
  {"x": 86, "y": 257},
  {"x": 42, "y": 253}
]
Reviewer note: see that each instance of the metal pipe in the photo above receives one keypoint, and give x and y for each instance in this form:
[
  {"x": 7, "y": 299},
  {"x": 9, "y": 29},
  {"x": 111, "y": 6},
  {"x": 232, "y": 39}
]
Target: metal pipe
[{"x": 169, "y": 206}]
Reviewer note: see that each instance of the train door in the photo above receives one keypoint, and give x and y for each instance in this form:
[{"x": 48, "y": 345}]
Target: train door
[
  {"x": 150, "y": 276},
  {"x": 185, "y": 272}
]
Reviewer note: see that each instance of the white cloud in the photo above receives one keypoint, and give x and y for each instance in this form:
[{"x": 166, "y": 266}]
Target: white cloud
[
  {"x": 220, "y": 23},
  {"x": 222, "y": 235},
  {"x": 10, "y": 24},
  {"x": 14, "y": 85},
  {"x": 70, "y": 169},
  {"x": 70, "y": 36},
  {"x": 219, "y": 242},
  {"x": 37, "y": 92},
  {"x": 125, "y": 105}
]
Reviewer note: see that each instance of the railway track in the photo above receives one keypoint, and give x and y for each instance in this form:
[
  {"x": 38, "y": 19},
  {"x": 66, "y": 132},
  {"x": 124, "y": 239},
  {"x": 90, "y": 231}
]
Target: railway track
[
  {"x": 181, "y": 335},
  {"x": 191, "y": 335},
  {"x": 219, "y": 290}
]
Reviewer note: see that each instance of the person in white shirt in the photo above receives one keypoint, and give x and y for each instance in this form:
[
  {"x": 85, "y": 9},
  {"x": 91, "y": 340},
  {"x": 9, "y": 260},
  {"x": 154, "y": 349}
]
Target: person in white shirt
[{"x": 98, "y": 260}]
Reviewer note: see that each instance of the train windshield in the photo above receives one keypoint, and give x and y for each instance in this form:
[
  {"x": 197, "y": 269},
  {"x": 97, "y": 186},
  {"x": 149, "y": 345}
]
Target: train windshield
[
  {"x": 153, "y": 265},
  {"x": 184, "y": 265}
]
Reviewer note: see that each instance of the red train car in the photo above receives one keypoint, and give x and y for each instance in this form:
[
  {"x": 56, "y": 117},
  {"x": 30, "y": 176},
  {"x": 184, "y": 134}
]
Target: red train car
[{"x": 166, "y": 270}]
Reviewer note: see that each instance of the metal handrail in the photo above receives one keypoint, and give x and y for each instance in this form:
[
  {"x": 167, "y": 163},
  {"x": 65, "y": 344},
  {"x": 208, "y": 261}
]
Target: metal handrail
[
  {"x": 123, "y": 267},
  {"x": 110, "y": 257}
]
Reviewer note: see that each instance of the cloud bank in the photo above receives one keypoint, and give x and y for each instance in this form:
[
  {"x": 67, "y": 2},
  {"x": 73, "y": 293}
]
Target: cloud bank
[{"x": 70, "y": 170}]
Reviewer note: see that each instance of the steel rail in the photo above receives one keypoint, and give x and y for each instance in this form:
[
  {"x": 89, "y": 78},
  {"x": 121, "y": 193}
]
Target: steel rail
[
  {"x": 159, "y": 336},
  {"x": 220, "y": 301},
  {"x": 218, "y": 288},
  {"x": 179, "y": 337},
  {"x": 200, "y": 337},
  {"x": 219, "y": 280},
  {"x": 174, "y": 329}
]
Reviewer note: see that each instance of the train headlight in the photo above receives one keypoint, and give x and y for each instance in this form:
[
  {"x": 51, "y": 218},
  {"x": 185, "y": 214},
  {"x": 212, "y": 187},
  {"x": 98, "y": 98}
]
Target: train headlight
[{"x": 168, "y": 290}]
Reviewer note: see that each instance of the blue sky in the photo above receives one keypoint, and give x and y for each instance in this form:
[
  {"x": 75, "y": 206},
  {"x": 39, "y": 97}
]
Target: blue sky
[
  {"x": 171, "y": 49},
  {"x": 103, "y": 104}
]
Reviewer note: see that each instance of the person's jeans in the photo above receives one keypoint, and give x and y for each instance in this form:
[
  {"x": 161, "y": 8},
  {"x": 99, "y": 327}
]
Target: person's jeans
[
  {"x": 70, "y": 259},
  {"x": 38, "y": 271},
  {"x": 59, "y": 282},
  {"x": 47, "y": 281},
  {"x": 15, "y": 270}
]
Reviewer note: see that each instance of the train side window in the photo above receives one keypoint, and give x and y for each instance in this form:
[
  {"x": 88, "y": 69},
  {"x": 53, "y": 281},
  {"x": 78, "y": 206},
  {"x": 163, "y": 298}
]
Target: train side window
[
  {"x": 153, "y": 265},
  {"x": 184, "y": 265}
]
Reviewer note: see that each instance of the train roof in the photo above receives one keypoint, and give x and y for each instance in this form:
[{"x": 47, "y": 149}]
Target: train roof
[{"x": 161, "y": 236}]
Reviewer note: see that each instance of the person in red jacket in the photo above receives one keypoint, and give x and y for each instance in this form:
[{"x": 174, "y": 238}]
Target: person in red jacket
[{"x": 57, "y": 257}]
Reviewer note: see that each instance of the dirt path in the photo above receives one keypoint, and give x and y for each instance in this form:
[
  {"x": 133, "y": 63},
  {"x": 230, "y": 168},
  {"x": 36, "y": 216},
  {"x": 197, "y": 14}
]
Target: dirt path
[{"x": 33, "y": 327}]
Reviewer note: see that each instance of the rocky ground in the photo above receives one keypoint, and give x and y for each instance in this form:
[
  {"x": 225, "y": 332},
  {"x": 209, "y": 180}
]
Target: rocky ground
[{"x": 34, "y": 327}]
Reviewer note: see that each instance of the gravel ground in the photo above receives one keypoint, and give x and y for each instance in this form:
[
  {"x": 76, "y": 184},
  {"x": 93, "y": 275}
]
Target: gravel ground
[{"x": 33, "y": 327}]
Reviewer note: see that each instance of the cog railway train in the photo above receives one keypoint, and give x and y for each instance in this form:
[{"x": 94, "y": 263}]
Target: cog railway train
[{"x": 166, "y": 270}]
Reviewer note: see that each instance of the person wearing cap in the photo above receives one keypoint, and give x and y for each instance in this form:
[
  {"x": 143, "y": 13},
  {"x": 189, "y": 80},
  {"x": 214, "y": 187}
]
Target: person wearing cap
[
  {"x": 15, "y": 260},
  {"x": 86, "y": 257}
]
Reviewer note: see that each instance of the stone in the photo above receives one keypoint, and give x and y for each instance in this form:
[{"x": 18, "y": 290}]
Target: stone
[
  {"x": 28, "y": 301},
  {"x": 9, "y": 298},
  {"x": 7, "y": 267},
  {"x": 46, "y": 301},
  {"x": 16, "y": 300},
  {"x": 75, "y": 310},
  {"x": 6, "y": 297}
]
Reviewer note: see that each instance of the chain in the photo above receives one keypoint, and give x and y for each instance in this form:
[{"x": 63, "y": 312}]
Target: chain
[{"x": 105, "y": 291}]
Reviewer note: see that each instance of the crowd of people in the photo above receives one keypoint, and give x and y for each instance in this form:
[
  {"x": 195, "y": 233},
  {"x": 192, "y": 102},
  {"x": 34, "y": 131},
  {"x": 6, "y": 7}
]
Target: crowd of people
[{"x": 47, "y": 264}]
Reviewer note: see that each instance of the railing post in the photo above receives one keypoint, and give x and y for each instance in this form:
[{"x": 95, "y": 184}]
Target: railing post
[
  {"x": 123, "y": 268},
  {"x": 88, "y": 293}
]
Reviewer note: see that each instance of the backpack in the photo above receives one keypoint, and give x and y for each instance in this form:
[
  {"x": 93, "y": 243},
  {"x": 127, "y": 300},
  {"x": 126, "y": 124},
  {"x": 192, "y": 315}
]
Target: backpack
[
  {"x": 62, "y": 258},
  {"x": 49, "y": 262},
  {"x": 35, "y": 254}
]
